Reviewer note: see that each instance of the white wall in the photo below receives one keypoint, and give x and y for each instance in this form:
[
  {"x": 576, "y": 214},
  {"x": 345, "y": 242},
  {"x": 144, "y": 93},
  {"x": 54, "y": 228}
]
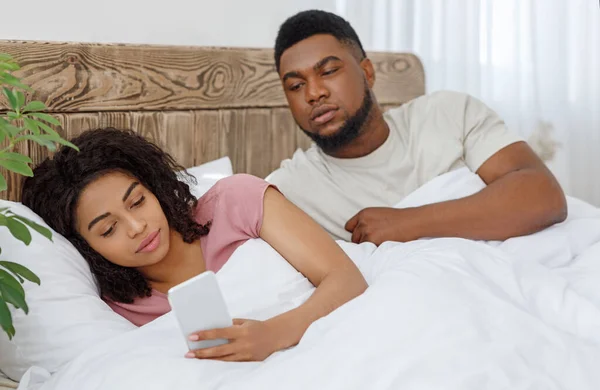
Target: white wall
[{"x": 243, "y": 23}]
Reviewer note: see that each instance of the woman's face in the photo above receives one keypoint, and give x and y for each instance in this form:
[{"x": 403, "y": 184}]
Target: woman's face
[{"x": 123, "y": 221}]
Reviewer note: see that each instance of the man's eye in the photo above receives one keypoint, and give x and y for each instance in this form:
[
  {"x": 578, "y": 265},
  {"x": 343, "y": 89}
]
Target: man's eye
[{"x": 295, "y": 87}]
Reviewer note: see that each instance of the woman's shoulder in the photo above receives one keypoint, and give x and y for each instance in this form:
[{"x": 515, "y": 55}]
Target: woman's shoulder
[
  {"x": 240, "y": 181},
  {"x": 234, "y": 203},
  {"x": 234, "y": 188}
]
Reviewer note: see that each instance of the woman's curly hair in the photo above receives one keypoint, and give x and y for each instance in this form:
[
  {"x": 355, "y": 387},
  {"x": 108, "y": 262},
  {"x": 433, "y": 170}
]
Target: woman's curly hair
[{"x": 54, "y": 190}]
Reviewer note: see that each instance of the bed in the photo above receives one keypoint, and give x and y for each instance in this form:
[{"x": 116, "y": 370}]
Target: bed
[
  {"x": 445, "y": 313},
  {"x": 199, "y": 103}
]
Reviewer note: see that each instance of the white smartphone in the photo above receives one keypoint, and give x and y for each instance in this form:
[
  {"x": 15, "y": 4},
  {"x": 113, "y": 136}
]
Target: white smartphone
[{"x": 198, "y": 304}]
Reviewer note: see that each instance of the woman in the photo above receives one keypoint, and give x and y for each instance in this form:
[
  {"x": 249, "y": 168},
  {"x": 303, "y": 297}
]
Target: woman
[{"x": 121, "y": 203}]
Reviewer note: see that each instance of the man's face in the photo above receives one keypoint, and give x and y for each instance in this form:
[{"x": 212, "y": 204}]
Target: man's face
[{"x": 327, "y": 90}]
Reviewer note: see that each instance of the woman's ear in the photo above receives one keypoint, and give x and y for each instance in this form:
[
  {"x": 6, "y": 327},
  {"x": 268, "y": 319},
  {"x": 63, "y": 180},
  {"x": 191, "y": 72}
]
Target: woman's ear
[{"x": 369, "y": 71}]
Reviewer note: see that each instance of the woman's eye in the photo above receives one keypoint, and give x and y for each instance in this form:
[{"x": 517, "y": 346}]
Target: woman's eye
[
  {"x": 109, "y": 231},
  {"x": 139, "y": 202}
]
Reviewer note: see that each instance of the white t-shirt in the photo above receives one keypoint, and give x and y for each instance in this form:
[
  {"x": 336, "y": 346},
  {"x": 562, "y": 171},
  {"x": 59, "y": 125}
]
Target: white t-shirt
[{"x": 429, "y": 136}]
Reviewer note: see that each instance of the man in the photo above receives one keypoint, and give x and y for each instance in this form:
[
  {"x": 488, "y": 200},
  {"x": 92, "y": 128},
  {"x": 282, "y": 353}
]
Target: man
[{"x": 365, "y": 161}]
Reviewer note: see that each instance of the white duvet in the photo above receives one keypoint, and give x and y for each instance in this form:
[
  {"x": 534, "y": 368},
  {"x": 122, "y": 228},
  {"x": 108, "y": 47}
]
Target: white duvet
[{"x": 439, "y": 314}]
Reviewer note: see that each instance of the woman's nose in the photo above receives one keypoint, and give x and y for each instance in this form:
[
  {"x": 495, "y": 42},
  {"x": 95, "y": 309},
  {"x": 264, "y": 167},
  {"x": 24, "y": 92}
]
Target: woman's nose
[{"x": 136, "y": 226}]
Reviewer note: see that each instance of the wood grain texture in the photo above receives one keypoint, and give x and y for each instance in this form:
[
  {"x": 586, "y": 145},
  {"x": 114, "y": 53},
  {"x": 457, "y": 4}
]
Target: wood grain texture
[
  {"x": 233, "y": 138},
  {"x": 284, "y": 141},
  {"x": 208, "y": 136},
  {"x": 77, "y": 77},
  {"x": 255, "y": 139}
]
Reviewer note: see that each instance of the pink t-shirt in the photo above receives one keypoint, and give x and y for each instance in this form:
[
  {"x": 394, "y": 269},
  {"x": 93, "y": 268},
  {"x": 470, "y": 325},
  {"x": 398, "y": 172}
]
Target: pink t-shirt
[{"x": 235, "y": 207}]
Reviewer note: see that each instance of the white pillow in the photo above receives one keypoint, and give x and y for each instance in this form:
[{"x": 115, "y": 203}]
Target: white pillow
[
  {"x": 208, "y": 174},
  {"x": 66, "y": 314}
]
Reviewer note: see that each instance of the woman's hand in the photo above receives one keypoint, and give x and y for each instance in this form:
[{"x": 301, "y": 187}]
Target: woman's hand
[
  {"x": 249, "y": 340},
  {"x": 311, "y": 251}
]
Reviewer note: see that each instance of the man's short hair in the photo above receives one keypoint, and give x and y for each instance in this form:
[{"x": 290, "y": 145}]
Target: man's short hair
[{"x": 305, "y": 24}]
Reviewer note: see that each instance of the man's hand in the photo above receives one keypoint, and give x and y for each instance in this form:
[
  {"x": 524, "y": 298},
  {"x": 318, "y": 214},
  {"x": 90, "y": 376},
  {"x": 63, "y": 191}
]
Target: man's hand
[
  {"x": 380, "y": 224},
  {"x": 249, "y": 340},
  {"x": 521, "y": 197}
]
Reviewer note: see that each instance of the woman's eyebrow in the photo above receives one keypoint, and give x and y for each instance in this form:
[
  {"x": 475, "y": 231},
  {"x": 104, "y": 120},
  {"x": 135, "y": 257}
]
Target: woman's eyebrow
[
  {"x": 128, "y": 192},
  {"x": 97, "y": 219}
]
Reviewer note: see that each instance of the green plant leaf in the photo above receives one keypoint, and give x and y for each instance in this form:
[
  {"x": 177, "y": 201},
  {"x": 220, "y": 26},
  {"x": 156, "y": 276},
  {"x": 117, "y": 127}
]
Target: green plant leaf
[
  {"x": 34, "y": 106},
  {"x": 3, "y": 185},
  {"x": 44, "y": 142},
  {"x": 6, "y": 319},
  {"x": 32, "y": 125},
  {"x": 21, "y": 280},
  {"x": 13, "y": 297},
  {"x": 12, "y": 99},
  {"x": 47, "y": 129},
  {"x": 20, "y": 98},
  {"x": 38, "y": 228},
  {"x": 3, "y": 132},
  {"x": 66, "y": 143},
  {"x": 15, "y": 82},
  {"x": 15, "y": 157},
  {"x": 17, "y": 228},
  {"x": 13, "y": 115},
  {"x": 20, "y": 270},
  {"x": 7, "y": 129},
  {"x": 11, "y": 280},
  {"x": 45, "y": 117},
  {"x": 12, "y": 130},
  {"x": 11, "y": 66},
  {"x": 56, "y": 138},
  {"x": 6, "y": 57},
  {"x": 17, "y": 167}
]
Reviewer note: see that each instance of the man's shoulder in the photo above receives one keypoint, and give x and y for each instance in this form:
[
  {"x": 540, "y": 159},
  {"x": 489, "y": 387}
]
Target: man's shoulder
[
  {"x": 426, "y": 114},
  {"x": 435, "y": 100},
  {"x": 294, "y": 169}
]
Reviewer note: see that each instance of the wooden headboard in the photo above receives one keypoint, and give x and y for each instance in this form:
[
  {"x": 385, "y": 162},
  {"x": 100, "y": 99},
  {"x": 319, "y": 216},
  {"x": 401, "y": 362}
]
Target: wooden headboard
[{"x": 197, "y": 103}]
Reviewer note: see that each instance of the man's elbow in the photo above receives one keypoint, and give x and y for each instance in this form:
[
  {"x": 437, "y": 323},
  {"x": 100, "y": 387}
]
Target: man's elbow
[
  {"x": 556, "y": 209},
  {"x": 560, "y": 211}
]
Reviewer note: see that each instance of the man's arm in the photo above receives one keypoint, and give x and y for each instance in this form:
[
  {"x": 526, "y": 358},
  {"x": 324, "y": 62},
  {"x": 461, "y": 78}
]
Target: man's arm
[{"x": 522, "y": 197}]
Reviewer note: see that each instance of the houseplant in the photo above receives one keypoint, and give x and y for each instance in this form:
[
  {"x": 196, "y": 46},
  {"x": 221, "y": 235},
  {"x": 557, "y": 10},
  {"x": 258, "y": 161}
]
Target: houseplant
[{"x": 22, "y": 121}]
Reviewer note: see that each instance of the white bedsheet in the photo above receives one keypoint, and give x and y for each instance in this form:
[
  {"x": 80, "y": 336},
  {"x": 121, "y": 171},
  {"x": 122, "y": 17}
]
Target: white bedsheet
[{"x": 441, "y": 313}]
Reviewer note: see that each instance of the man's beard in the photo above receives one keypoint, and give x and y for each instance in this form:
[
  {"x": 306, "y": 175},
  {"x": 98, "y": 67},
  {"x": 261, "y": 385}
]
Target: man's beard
[{"x": 349, "y": 131}]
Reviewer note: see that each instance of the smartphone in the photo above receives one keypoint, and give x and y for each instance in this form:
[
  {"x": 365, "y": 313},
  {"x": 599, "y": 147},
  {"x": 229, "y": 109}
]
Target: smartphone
[{"x": 198, "y": 304}]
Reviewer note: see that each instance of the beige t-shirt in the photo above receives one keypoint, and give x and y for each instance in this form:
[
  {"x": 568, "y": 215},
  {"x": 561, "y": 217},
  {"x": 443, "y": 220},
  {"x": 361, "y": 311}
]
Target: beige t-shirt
[{"x": 429, "y": 136}]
